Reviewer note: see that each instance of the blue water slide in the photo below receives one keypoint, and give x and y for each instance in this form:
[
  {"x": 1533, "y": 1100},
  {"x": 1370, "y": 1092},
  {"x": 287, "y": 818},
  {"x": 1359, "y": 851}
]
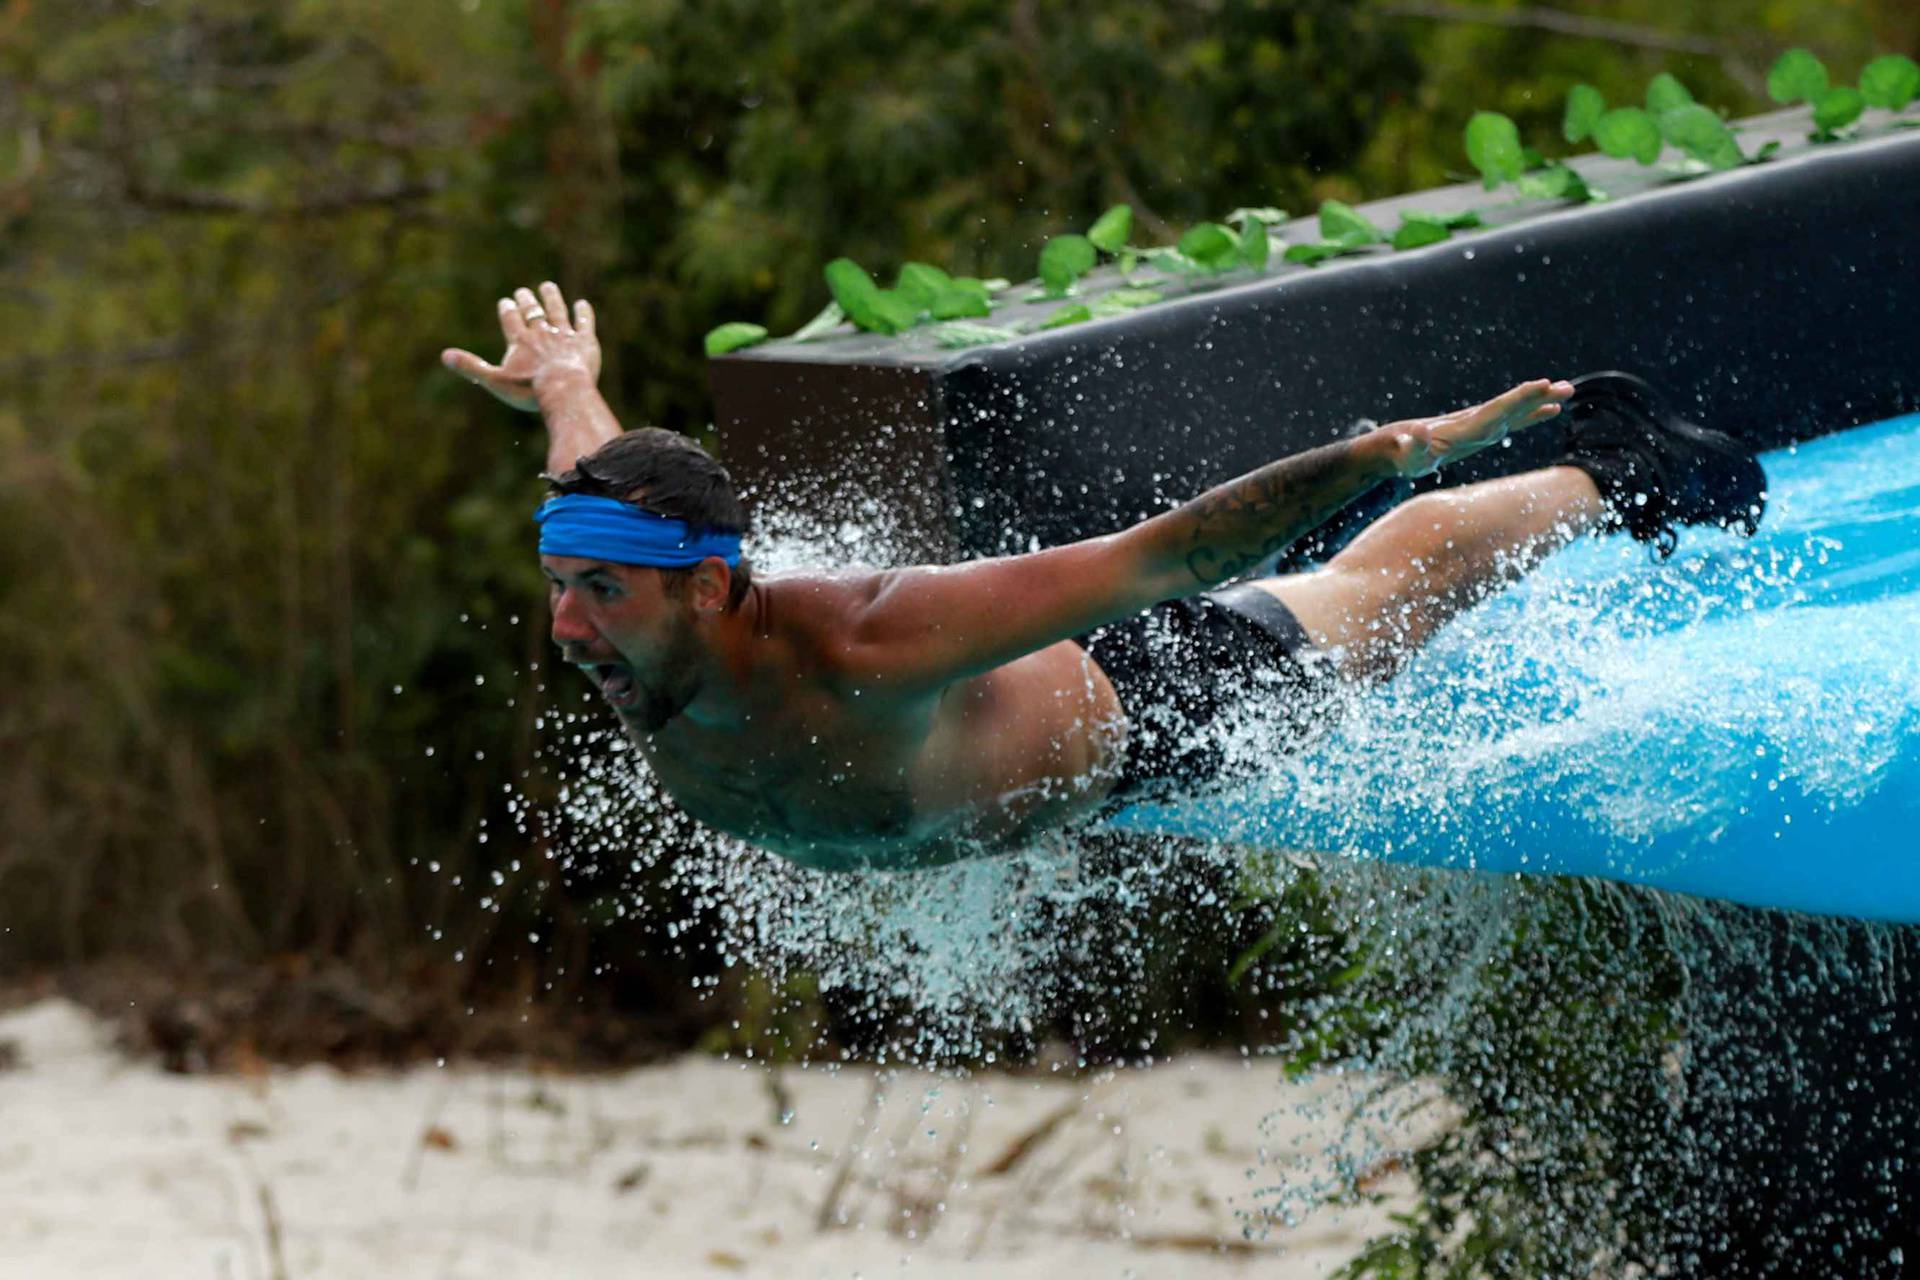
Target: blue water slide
[{"x": 1740, "y": 722}]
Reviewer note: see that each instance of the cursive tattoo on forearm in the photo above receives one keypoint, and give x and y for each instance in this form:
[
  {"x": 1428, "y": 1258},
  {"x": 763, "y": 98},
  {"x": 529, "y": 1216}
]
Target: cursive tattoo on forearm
[{"x": 1230, "y": 529}]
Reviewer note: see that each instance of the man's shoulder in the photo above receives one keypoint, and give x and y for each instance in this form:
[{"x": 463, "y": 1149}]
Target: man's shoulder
[
  {"x": 826, "y": 622},
  {"x": 816, "y": 615},
  {"x": 820, "y": 600}
]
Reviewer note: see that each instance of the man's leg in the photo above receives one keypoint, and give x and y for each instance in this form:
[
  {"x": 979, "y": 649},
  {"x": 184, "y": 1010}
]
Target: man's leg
[{"x": 1383, "y": 596}]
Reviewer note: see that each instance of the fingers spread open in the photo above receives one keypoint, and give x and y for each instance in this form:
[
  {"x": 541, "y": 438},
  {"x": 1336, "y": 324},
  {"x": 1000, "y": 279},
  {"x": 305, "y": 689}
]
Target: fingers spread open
[
  {"x": 512, "y": 325},
  {"x": 554, "y": 305},
  {"x": 468, "y": 365},
  {"x": 531, "y": 312}
]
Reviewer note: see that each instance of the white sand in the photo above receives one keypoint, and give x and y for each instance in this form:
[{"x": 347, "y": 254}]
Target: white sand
[{"x": 111, "y": 1168}]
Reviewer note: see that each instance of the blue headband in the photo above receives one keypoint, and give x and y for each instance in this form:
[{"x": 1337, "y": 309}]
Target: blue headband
[{"x": 608, "y": 529}]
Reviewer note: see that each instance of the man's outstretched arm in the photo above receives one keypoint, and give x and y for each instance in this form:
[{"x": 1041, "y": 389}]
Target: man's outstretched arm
[
  {"x": 552, "y": 366},
  {"x": 927, "y": 627},
  {"x": 1231, "y": 528}
]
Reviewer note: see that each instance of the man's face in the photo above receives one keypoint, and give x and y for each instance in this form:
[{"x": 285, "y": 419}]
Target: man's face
[{"x": 634, "y": 639}]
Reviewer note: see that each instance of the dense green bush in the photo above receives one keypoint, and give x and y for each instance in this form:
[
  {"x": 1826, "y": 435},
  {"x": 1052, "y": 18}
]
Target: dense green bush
[
  {"x": 259, "y": 555},
  {"x": 262, "y": 555}
]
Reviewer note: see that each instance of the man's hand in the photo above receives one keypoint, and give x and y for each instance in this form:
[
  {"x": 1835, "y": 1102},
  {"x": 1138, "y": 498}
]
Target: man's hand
[
  {"x": 552, "y": 365},
  {"x": 544, "y": 345},
  {"x": 1422, "y": 445}
]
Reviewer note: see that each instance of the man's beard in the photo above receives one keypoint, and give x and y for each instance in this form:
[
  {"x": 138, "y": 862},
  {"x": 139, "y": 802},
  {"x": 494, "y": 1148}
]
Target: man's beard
[{"x": 678, "y": 683}]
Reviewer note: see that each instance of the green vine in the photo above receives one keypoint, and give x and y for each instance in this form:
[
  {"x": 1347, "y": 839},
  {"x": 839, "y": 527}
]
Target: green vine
[
  {"x": 1343, "y": 230},
  {"x": 1889, "y": 83},
  {"x": 1668, "y": 118}
]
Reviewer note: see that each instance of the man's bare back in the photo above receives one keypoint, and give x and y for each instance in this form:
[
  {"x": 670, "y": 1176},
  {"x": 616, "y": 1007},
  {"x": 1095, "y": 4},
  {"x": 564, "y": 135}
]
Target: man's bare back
[{"x": 912, "y": 716}]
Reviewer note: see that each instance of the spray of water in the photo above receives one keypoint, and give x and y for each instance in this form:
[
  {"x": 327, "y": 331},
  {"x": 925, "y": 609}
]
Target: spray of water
[{"x": 1627, "y": 1068}]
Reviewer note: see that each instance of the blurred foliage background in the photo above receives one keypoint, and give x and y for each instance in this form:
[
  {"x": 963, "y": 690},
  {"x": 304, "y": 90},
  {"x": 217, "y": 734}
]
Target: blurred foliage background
[
  {"x": 271, "y": 637},
  {"x": 271, "y": 633}
]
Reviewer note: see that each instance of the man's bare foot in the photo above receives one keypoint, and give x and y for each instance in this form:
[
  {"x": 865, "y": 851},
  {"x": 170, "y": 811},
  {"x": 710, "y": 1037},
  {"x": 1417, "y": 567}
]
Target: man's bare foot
[{"x": 1423, "y": 445}]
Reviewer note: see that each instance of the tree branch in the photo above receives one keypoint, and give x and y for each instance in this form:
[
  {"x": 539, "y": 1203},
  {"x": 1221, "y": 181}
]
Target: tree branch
[
  {"x": 175, "y": 348},
  {"x": 335, "y": 202},
  {"x": 1736, "y": 61}
]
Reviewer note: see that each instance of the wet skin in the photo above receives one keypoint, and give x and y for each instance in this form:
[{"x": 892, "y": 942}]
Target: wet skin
[
  {"x": 763, "y": 722},
  {"x": 911, "y": 716}
]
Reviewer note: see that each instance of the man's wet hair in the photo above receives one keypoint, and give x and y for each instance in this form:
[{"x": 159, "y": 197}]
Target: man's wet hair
[{"x": 668, "y": 474}]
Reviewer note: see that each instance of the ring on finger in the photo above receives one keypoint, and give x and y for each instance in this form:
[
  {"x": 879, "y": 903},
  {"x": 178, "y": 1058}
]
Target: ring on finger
[{"x": 534, "y": 313}]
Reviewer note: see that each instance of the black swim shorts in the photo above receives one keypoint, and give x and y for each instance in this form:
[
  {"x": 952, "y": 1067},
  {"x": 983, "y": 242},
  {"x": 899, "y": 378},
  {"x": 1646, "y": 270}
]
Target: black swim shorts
[{"x": 1186, "y": 670}]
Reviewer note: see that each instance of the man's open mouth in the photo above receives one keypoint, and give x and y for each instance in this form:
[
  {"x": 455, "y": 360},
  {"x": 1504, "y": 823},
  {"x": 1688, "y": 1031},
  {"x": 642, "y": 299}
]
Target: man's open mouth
[{"x": 616, "y": 682}]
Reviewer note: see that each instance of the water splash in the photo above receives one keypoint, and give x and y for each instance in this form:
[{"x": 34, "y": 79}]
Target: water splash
[
  {"x": 1743, "y": 722},
  {"x": 1626, "y": 1064}
]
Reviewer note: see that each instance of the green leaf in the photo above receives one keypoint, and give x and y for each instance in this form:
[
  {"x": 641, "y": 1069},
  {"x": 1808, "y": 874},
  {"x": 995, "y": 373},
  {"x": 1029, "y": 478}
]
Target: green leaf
[
  {"x": 1585, "y": 106},
  {"x": 1703, "y": 135},
  {"x": 869, "y": 306},
  {"x": 1796, "y": 76},
  {"x": 829, "y": 318},
  {"x": 1891, "y": 82},
  {"x": 849, "y": 283},
  {"x": 734, "y": 335},
  {"x": 1343, "y": 224},
  {"x": 920, "y": 284},
  {"x": 961, "y": 299},
  {"x": 961, "y": 333},
  {"x": 1766, "y": 151},
  {"x": 1121, "y": 301},
  {"x": 1167, "y": 258},
  {"x": 1493, "y": 147},
  {"x": 1211, "y": 245},
  {"x": 1419, "y": 229},
  {"x": 1628, "y": 132},
  {"x": 1112, "y": 230},
  {"x": 894, "y": 311},
  {"x": 1555, "y": 182},
  {"x": 1316, "y": 251},
  {"x": 1458, "y": 221},
  {"x": 1665, "y": 93},
  {"x": 1064, "y": 260},
  {"x": 1266, "y": 215},
  {"x": 1074, "y": 314},
  {"x": 1252, "y": 955},
  {"x": 1131, "y": 298},
  {"x": 1254, "y": 248},
  {"x": 1837, "y": 108},
  {"x": 866, "y": 303}
]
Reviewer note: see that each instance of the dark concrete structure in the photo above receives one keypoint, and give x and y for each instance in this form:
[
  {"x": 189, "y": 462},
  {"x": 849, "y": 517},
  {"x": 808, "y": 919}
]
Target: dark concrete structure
[{"x": 1776, "y": 301}]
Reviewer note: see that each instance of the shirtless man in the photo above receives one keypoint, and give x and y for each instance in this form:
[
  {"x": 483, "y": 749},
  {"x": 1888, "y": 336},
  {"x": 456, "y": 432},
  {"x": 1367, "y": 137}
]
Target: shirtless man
[{"x": 907, "y": 717}]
